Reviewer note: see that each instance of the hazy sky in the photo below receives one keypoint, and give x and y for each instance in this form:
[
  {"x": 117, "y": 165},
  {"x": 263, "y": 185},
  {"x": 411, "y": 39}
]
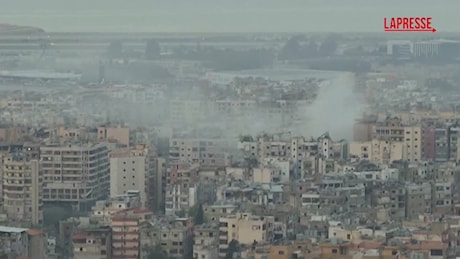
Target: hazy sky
[{"x": 224, "y": 15}]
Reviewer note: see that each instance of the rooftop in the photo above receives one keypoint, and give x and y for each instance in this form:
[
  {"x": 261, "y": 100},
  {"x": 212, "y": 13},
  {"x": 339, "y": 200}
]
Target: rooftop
[{"x": 6, "y": 229}]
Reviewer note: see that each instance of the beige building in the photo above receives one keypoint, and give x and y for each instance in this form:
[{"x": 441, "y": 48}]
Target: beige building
[
  {"x": 377, "y": 151},
  {"x": 11, "y": 134},
  {"x": 117, "y": 133},
  {"x": 245, "y": 228},
  {"x": 67, "y": 134},
  {"x": 206, "y": 152},
  {"x": 214, "y": 212},
  {"x": 170, "y": 235},
  {"x": 75, "y": 174},
  {"x": 206, "y": 239},
  {"x": 126, "y": 226},
  {"x": 132, "y": 169},
  {"x": 103, "y": 210},
  {"x": 92, "y": 243},
  {"x": 22, "y": 190},
  {"x": 263, "y": 175},
  {"x": 413, "y": 143},
  {"x": 38, "y": 244}
]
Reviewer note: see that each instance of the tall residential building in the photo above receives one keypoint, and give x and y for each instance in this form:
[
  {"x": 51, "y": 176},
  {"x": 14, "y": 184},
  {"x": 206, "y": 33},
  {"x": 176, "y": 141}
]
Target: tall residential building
[
  {"x": 428, "y": 142},
  {"x": 181, "y": 189},
  {"x": 413, "y": 143},
  {"x": 22, "y": 187},
  {"x": 125, "y": 232},
  {"x": 75, "y": 174},
  {"x": 441, "y": 140},
  {"x": 454, "y": 133},
  {"x": 135, "y": 169},
  {"x": 159, "y": 189}
]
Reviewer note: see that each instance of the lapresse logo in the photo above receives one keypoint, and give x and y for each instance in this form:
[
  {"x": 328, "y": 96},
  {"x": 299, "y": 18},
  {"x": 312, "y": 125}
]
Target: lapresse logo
[{"x": 408, "y": 24}]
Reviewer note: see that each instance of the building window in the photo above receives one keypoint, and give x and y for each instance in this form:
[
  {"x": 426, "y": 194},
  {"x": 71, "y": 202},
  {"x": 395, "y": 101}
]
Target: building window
[{"x": 334, "y": 251}]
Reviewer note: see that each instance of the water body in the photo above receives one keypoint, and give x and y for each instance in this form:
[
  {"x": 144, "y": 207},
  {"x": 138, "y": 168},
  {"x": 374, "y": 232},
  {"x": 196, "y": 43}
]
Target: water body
[{"x": 224, "y": 15}]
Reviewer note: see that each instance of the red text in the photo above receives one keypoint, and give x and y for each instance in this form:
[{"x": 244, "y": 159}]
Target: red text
[{"x": 407, "y": 23}]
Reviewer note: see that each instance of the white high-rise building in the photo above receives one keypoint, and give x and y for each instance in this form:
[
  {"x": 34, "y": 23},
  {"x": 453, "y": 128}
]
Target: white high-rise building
[
  {"x": 131, "y": 169},
  {"x": 75, "y": 174}
]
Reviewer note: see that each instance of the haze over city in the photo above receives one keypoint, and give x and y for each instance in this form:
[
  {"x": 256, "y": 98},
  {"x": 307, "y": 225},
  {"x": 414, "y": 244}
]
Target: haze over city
[{"x": 229, "y": 129}]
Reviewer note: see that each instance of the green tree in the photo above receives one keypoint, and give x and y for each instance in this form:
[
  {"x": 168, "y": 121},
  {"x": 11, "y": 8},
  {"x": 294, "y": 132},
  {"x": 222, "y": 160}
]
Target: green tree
[
  {"x": 157, "y": 253},
  {"x": 233, "y": 247},
  {"x": 181, "y": 213}
]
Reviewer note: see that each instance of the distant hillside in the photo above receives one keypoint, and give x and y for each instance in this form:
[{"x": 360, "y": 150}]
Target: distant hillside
[{"x": 19, "y": 30}]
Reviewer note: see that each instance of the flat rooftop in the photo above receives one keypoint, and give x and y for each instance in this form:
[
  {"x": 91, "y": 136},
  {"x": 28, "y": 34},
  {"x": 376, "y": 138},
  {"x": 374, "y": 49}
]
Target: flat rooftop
[{"x": 6, "y": 229}]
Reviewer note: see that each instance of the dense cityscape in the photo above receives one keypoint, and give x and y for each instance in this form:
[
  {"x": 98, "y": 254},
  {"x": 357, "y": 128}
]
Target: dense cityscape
[{"x": 197, "y": 146}]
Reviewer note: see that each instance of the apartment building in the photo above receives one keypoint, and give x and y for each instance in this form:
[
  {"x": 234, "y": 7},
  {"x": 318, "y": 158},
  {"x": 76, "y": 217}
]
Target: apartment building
[
  {"x": 11, "y": 134},
  {"x": 66, "y": 134},
  {"x": 274, "y": 146},
  {"x": 126, "y": 239},
  {"x": 418, "y": 200},
  {"x": 103, "y": 210},
  {"x": 22, "y": 186},
  {"x": 167, "y": 233},
  {"x": 206, "y": 152},
  {"x": 391, "y": 197},
  {"x": 390, "y": 129},
  {"x": 454, "y": 134},
  {"x": 132, "y": 169},
  {"x": 377, "y": 151},
  {"x": 206, "y": 244},
  {"x": 92, "y": 243},
  {"x": 159, "y": 189},
  {"x": 117, "y": 133},
  {"x": 428, "y": 142},
  {"x": 413, "y": 143},
  {"x": 13, "y": 242},
  {"x": 443, "y": 197},
  {"x": 77, "y": 175},
  {"x": 245, "y": 228},
  {"x": 214, "y": 212},
  {"x": 31, "y": 151},
  {"x": 181, "y": 188},
  {"x": 441, "y": 136}
]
